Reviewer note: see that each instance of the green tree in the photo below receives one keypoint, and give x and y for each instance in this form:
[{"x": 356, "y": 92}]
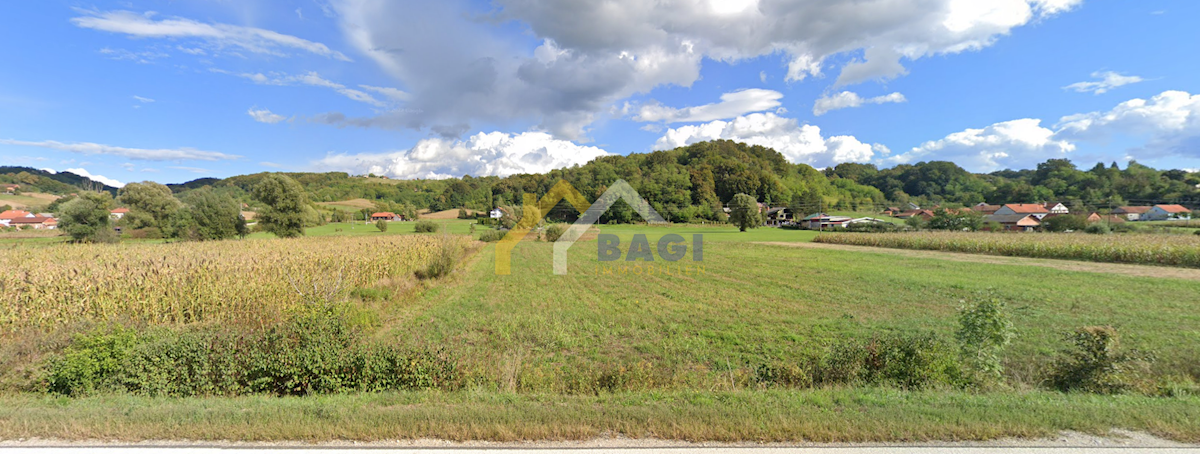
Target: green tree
[
  {"x": 208, "y": 215},
  {"x": 1063, "y": 223},
  {"x": 150, "y": 205},
  {"x": 86, "y": 218},
  {"x": 744, "y": 213},
  {"x": 382, "y": 225},
  {"x": 984, "y": 330},
  {"x": 945, "y": 219},
  {"x": 286, "y": 205}
]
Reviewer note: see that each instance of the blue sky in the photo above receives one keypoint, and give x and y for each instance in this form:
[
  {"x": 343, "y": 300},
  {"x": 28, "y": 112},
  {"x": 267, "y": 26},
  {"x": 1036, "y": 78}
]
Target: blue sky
[{"x": 175, "y": 90}]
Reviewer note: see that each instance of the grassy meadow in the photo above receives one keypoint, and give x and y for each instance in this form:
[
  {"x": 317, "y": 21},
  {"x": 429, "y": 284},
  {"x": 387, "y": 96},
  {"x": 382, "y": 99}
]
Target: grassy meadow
[{"x": 668, "y": 350}]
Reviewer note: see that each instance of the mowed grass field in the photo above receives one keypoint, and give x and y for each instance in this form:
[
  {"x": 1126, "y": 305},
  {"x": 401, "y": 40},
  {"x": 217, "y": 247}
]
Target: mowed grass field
[{"x": 707, "y": 325}]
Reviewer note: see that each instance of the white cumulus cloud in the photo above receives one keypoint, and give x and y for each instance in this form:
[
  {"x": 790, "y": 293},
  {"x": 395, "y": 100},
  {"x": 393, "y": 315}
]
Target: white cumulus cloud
[
  {"x": 148, "y": 154},
  {"x": 732, "y": 104},
  {"x": 1108, "y": 81},
  {"x": 313, "y": 79},
  {"x": 482, "y": 154},
  {"x": 251, "y": 39},
  {"x": 101, "y": 178},
  {"x": 1008, "y": 144},
  {"x": 798, "y": 143},
  {"x": 848, "y": 99},
  {"x": 265, "y": 116},
  {"x": 1170, "y": 122}
]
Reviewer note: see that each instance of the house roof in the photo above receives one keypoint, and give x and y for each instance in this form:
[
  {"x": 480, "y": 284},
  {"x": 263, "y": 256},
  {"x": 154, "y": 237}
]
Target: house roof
[
  {"x": 13, "y": 214},
  {"x": 1050, "y": 205},
  {"x": 383, "y": 214},
  {"x": 10, "y": 185},
  {"x": 1012, "y": 219},
  {"x": 35, "y": 220},
  {"x": 1133, "y": 210},
  {"x": 985, "y": 208},
  {"x": 1173, "y": 208},
  {"x": 1026, "y": 208},
  {"x": 776, "y": 210},
  {"x": 119, "y": 211}
]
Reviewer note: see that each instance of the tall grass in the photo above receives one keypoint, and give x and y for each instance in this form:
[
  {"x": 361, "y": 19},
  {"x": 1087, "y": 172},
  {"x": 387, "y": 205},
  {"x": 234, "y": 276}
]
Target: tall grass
[
  {"x": 243, "y": 281},
  {"x": 1148, "y": 249}
]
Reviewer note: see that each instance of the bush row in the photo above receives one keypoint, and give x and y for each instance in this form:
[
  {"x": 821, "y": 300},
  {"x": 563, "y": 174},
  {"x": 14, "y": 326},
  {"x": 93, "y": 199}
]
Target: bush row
[{"x": 317, "y": 352}]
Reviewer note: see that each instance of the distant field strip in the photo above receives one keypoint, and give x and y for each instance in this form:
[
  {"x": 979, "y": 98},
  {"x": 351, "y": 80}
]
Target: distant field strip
[
  {"x": 250, "y": 280},
  {"x": 1064, "y": 265},
  {"x": 1145, "y": 249}
]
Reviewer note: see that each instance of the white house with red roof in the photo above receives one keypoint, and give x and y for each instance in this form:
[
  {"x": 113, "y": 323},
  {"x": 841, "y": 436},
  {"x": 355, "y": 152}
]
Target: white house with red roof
[
  {"x": 118, "y": 213},
  {"x": 1036, "y": 210},
  {"x": 8, "y": 216}
]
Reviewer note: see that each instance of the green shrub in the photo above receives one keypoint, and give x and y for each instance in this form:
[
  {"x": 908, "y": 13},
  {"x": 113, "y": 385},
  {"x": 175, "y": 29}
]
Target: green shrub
[
  {"x": 554, "y": 232},
  {"x": 1095, "y": 363},
  {"x": 491, "y": 235},
  {"x": 371, "y": 294},
  {"x": 426, "y": 227},
  {"x": 910, "y": 362},
  {"x": 1126, "y": 227},
  {"x": 317, "y": 351},
  {"x": 382, "y": 225},
  {"x": 91, "y": 363},
  {"x": 872, "y": 227},
  {"x": 983, "y": 332},
  {"x": 1097, "y": 228}
]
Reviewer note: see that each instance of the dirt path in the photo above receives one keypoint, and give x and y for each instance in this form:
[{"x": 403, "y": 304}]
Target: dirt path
[{"x": 1065, "y": 265}]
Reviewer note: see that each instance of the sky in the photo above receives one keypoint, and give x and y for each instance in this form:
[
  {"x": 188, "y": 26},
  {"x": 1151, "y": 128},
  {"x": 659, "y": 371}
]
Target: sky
[{"x": 171, "y": 91}]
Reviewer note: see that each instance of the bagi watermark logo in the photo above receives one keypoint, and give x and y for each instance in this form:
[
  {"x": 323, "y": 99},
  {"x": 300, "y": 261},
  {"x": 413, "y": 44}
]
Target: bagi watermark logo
[{"x": 671, "y": 247}]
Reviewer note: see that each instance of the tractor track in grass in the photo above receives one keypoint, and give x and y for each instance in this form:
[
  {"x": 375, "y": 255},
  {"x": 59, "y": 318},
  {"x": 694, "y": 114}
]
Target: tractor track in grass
[{"x": 1064, "y": 265}]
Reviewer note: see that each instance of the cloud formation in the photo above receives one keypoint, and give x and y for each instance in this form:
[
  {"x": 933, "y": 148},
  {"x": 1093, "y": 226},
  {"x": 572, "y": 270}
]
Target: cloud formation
[
  {"x": 218, "y": 36},
  {"x": 1108, "y": 81},
  {"x": 482, "y": 154},
  {"x": 732, "y": 104},
  {"x": 313, "y": 79},
  {"x": 798, "y": 143},
  {"x": 148, "y": 154},
  {"x": 594, "y": 54},
  {"x": 101, "y": 178},
  {"x": 265, "y": 116},
  {"x": 848, "y": 99},
  {"x": 1166, "y": 124}
]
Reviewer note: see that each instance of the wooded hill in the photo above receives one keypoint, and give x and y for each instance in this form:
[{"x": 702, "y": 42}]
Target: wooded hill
[{"x": 692, "y": 183}]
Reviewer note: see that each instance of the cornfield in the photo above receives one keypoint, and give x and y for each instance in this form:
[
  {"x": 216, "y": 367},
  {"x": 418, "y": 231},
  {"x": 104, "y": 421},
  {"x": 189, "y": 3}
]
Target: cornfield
[
  {"x": 236, "y": 281},
  {"x": 1148, "y": 249}
]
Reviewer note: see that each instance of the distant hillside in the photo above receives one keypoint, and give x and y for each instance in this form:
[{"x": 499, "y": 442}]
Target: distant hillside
[{"x": 61, "y": 183}]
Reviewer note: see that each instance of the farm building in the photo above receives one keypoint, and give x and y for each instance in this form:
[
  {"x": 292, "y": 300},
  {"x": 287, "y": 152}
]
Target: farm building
[
  {"x": 1036, "y": 210},
  {"x": 1131, "y": 213},
  {"x": 10, "y": 188},
  {"x": 923, "y": 214},
  {"x": 495, "y": 213},
  {"x": 1015, "y": 222},
  {"x": 824, "y": 221},
  {"x": 36, "y": 222},
  {"x": 1108, "y": 218},
  {"x": 118, "y": 213},
  {"x": 777, "y": 216},
  {"x": 1057, "y": 208},
  {"x": 8, "y": 216},
  {"x": 1167, "y": 213},
  {"x": 386, "y": 216}
]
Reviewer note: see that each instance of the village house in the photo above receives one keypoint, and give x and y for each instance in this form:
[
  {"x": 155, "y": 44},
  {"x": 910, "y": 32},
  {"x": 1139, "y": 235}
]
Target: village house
[
  {"x": 923, "y": 214},
  {"x": 385, "y": 216},
  {"x": 776, "y": 216},
  {"x": 1107, "y": 218},
  {"x": 35, "y": 222},
  {"x": 1131, "y": 213},
  {"x": 10, "y": 188},
  {"x": 985, "y": 209},
  {"x": 1015, "y": 222},
  {"x": 822, "y": 221},
  {"x": 8, "y": 216},
  {"x": 495, "y": 213},
  {"x": 891, "y": 211},
  {"x": 1036, "y": 210},
  {"x": 118, "y": 213},
  {"x": 1057, "y": 208},
  {"x": 1167, "y": 213}
]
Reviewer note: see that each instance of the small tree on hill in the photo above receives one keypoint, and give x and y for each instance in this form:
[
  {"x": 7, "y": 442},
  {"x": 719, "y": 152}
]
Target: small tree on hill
[
  {"x": 285, "y": 213},
  {"x": 86, "y": 218},
  {"x": 743, "y": 212}
]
